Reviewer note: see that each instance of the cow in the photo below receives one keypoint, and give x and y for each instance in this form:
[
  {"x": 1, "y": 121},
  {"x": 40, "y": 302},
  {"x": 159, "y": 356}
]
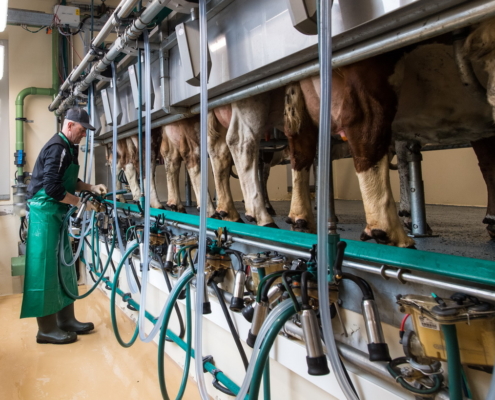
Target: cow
[{"x": 408, "y": 94}]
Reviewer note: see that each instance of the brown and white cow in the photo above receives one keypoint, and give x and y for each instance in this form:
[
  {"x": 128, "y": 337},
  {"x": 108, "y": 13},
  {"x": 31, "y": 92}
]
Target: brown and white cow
[{"x": 416, "y": 95}]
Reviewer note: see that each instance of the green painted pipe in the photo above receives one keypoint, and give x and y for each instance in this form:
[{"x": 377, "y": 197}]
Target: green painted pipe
[
  {"x": 463, "y": 268},
  {"x": 453, "y": 362},
  {"x": 19, "y": 102}
]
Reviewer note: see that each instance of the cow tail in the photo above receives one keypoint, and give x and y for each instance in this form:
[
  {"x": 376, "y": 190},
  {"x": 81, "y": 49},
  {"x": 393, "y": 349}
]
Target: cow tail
[
  {"x": 480, "y": 44},
  {"x": 294, "y": 109}
]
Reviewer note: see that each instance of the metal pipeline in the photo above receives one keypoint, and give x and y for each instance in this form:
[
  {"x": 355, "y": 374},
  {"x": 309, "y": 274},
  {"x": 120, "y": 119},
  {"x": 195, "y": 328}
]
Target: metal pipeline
[
  {"x": 131, "y": 34},
  {"x": 122, "y": 11},
  {"x": 406, "y": 276}
]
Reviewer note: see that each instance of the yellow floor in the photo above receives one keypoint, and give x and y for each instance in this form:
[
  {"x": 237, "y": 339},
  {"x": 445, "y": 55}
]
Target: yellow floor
[{"x": 95, "y": 367}]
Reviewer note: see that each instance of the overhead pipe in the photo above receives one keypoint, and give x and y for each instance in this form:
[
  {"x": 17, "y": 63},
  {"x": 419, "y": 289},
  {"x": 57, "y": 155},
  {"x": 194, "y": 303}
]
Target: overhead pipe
[
  {"x": 131, "y": 34},
  {"x": 426, "y": 28},
  {"x": 122, "y": 11}
]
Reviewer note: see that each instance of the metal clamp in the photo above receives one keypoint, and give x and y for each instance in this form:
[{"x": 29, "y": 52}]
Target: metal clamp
[
  {"x": 383, "y": 270},
  {"x": 400, "y": 278},
  {"x": 207, "y": 359},
  {"x": 25, "y": 120},
  {"x": 103, "y": 78}
]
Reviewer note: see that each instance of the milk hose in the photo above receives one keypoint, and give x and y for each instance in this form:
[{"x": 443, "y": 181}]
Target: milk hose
[
  {"x": 60, "y": 266},
  {"x": 130, "y": 282},
  {"x": 284, "y": 310},
  {"x": 177, "y": 309},
  {"x": 83, "y": 234},
  {"x": 200, "y": 275},
  {"x": 324, "y": 166},
  {"x": 131, "y": 246},
  {"x": 183, "y": 281}
]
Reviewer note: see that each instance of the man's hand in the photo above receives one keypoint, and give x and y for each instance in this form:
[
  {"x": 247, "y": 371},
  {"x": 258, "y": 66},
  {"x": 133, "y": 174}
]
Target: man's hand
[{"x": 99, "y": 189}]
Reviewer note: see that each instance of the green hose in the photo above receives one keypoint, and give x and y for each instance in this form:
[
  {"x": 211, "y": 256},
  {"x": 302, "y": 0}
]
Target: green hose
[
  {"x": 453, "y": 362},
  {"x": 263, "y": 280},
  {"x": 95, "y": 285},
  {"x": 173, "y": 296},
  {"x": 112, "y": 301},
  {"x": 262, "y": 360}
]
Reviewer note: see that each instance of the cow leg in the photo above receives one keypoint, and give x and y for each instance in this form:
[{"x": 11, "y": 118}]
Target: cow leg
[
  {"x": 154, "y": 200},
  {"x": 485, "y": 149},
  {"x": 172, "y": 161},
  {"x": 243, "y": 137},
  {"x": 303, "y": 137},
  {"x": 194, "y": 171},
  {"x": 368, "y": 107},
  {"x": 221, "y": 162},
  {"x": 132, "y": 178}
]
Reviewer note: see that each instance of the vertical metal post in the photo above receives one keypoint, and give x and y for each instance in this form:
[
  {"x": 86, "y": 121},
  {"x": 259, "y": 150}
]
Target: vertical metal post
[
  {"x": 140, "y": 116},
  {"x": 188, "y": 190},
  {"x": 200, "y": 275},
  {"x": 417, "y": 192}
]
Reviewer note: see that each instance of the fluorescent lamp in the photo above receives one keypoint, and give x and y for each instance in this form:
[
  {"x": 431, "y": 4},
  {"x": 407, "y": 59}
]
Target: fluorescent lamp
[
  {"x": 2, "y": 58},
  {"x": 4, "y": 7}
]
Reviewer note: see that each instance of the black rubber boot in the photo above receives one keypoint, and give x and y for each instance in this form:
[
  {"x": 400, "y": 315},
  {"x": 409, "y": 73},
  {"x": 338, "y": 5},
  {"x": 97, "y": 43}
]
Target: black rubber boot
[
  {"x": 49, "y": 332},
  {"x": 68, "y": 322}
]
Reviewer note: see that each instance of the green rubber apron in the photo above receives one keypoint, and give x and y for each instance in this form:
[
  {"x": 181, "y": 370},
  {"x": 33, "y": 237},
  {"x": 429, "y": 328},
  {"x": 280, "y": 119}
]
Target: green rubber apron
[{"x": 43, "y": 294}]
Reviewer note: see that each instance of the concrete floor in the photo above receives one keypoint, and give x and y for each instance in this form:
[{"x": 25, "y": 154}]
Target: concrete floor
[
  {"x": 95, "y": 367},
  {"x": 460, "y": 230}
]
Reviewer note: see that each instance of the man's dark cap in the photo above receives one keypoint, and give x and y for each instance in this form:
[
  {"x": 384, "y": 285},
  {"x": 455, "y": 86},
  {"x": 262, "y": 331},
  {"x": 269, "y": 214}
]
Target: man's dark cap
[{"x": 79, "y": 115}]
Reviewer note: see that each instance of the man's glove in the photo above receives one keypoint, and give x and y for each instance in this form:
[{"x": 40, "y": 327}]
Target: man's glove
[{"x": 99, "y": 189}]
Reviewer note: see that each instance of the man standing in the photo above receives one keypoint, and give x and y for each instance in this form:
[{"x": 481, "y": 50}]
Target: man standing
[{"x": 51, "y": 192}]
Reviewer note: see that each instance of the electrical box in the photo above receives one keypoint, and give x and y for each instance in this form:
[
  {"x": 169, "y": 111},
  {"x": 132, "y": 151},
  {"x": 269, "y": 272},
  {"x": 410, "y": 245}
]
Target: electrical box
[
  {"x": 303, "y": 16},
  {"x": 66, "y": 15},
  {"x": 188, "y": 42}
]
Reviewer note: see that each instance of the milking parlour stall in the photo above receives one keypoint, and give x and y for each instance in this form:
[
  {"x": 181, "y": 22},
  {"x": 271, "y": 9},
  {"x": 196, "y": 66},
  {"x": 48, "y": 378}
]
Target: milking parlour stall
[{"x": 264, "y": 199}]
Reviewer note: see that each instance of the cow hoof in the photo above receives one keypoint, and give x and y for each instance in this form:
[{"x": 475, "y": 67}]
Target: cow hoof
[
  {"x": 215, "y": 216},
  {"x": 404, "y": 213},
  {"x": 289, "y": 221},
  {"x": 240, "y": 221},
  {"x": 250, "y": 218},
  {"x": 412, "y": 247},
  {"x": 171, "y": 207},
  {"x": 223, "y": 214},
  {"x": 271, "y": 211},
  {"x": 365, "y": 237},
  {"x": 271, "y": 225},
  {"x": 381, "y": 237}
]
